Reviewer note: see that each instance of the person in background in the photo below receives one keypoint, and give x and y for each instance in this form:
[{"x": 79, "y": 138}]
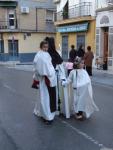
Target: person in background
[
  {"x": 81, "y": 51},
  {"x": 72, "y": 57},
  {"x": 88, "y": 57},
  {"x": 72, "y": 54}
]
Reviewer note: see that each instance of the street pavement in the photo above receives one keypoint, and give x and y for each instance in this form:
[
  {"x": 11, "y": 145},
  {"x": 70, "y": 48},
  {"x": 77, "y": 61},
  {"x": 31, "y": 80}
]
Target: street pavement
[
  {"x": 99, "y": 76},
  {"x": 102, "y": 77},
  {"x": 21, "y": 130}
]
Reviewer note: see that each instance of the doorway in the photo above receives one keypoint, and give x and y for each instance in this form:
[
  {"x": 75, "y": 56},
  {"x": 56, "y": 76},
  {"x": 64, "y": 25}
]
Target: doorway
[
  {"x": 105, "y": 48},
  {"x": 65, "y": 47},
  {"x": 13, "y": 49}
]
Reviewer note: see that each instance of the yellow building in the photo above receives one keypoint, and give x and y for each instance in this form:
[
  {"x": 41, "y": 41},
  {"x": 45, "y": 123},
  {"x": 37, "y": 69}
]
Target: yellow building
[
  {"x": 75, "y": 26},
  {"x": 23, "y": 25}
]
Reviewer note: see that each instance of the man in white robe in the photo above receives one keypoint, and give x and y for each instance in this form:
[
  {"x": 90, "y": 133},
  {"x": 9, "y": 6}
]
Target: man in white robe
[{"x": 45, "y": 73}]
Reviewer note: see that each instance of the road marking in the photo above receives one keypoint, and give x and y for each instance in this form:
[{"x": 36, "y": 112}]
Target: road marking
[
  {"x": 86, "y": 136},
  {"x": 8, "y": 87}
]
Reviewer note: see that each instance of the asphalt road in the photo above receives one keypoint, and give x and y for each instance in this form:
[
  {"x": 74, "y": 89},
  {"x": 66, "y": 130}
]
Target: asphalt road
[{"x": 21, "y": 130}]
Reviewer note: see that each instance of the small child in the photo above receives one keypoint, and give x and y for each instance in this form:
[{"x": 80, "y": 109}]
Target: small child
[{"x": 82, "y": 101}]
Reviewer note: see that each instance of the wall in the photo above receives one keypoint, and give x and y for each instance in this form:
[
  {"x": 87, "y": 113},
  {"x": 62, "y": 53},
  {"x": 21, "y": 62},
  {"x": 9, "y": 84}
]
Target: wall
[
  {"x": 2, "y": 14},
  {"x": 90, "y": 36},
  {"x": 72, "y": 40},
  {"x": 58, "y": 41},
  {"x": 30, "y": 22},
  {"x": 27, "y": 48},
  {"x": 37, "y": 3},
  {"x": 109, "y": 14}
]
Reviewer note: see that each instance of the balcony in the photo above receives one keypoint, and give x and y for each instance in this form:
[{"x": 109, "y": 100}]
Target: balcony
[
  {"x": 4, "y": 26},
  {"x": 108, "y": 6},
  {"x": 80, "y": 10}
]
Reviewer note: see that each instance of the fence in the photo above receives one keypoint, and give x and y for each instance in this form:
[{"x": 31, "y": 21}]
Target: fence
[{"x": 82, "y": 9}]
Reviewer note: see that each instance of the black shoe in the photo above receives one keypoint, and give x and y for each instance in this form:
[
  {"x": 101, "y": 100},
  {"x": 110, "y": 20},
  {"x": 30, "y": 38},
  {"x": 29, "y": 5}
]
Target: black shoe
[{"x": 48, "y": 122}]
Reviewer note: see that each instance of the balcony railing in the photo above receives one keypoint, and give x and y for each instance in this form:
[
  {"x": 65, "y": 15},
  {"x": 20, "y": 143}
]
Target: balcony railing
[
  {"x": 4, "y": 25},
  {"x": 82, "y": 9}
]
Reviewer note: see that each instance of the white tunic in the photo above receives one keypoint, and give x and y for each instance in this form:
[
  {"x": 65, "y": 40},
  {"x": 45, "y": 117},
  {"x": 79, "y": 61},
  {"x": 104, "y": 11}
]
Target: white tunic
[
  {"x": 43, "y": 67},
  {"x": 82, "y": 95},
  {"x": 63, "y": 92}
]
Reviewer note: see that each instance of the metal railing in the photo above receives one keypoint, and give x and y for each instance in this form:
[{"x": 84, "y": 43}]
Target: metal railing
[
  {"x": 100, "y": 63},
  {"x": 79, "y": 10},
  {"x": 4, "y": 25},
  {"x": 49, "y": 27}
]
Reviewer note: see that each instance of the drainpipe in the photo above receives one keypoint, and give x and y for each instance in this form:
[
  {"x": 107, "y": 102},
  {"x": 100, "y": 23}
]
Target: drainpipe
[
  {"x": 16, "y": 21},
  {"x": 80, "y": 1},
  {"x": 36, "y": 19}
]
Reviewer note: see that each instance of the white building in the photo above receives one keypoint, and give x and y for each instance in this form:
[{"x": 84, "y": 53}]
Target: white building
[{"x": 104, "y": 32}]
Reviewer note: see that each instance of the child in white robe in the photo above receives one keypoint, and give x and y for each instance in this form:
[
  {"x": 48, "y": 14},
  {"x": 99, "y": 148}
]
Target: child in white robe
[{"x": 82, "y": 100}]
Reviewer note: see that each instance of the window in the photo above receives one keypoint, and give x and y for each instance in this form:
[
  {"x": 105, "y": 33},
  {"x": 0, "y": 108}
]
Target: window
[
  {"x": 11, "y": 20},
  {"x": 65, "y": 47},
  {"x": 80, "y": 41},
  {"x": 65, "y": 11}
]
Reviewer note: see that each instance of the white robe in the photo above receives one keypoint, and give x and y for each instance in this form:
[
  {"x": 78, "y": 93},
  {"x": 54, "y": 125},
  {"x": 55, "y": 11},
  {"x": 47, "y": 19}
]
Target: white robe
[
  {"x": 43, "y": 67},
  {"x": 81, "y": 98},
  {"x": 63, "y": 91}
]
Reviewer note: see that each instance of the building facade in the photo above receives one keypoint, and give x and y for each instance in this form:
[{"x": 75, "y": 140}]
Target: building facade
[
  {"x": 104, "y": 32},
  {"x": 23, "y": 24},
  {"x": 75, "y": 22}
]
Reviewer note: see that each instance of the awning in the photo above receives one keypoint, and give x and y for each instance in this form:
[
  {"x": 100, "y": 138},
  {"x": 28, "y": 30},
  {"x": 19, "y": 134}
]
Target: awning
[
  {"x": 61, "y": 5},
  {"x": 82, "y": 27},
  {"x": 8, "y": 3}
]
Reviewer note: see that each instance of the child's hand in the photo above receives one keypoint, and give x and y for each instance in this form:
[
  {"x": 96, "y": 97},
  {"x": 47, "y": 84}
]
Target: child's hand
[{"x": 63, "y": 83}]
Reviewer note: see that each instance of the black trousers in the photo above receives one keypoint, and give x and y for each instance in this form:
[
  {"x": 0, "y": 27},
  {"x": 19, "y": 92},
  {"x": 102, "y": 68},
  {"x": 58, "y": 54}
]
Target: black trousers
[
  {"x": 52, "y": 96},
  {"x": 89, "y": 70}
]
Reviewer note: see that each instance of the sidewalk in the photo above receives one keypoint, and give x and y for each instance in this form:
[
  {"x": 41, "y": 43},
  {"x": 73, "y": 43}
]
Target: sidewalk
[
  {"x": 18, "y": 66},
  {"x": 99, "y": 76},
  {"x": 102, "y": 77}
]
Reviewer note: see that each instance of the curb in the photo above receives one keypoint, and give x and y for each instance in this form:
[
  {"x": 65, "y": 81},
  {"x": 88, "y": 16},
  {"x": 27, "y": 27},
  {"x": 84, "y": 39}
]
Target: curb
[{"x": 103, "y": 84}]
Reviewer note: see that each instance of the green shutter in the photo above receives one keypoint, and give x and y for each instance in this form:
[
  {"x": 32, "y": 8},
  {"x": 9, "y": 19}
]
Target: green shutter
[{"x": 8, "y": 4}]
